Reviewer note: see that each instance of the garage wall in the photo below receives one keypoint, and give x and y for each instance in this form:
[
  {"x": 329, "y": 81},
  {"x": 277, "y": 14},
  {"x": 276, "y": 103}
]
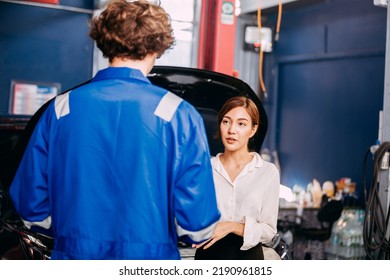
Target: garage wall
[
  {"x": 44, "y": 45},
  {"x": 326, "y": 82}
]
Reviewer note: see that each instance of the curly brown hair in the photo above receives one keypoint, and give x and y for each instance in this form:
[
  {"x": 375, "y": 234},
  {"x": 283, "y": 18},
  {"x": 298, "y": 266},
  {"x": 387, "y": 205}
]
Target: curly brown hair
[{"x": 132, "y": 30}]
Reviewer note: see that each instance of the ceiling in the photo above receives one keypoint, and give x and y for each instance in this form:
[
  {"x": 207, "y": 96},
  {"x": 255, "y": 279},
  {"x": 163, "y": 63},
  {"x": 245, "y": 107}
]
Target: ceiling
[{"x": 251, "y": 6}]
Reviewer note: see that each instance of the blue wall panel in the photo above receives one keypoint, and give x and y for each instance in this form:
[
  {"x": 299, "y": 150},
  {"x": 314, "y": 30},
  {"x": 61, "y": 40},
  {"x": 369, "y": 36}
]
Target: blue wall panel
[
  {"x": 327, "y": 121},
  {"x": 299, "y": 43},
  {"x": 39, "y": 44},
  {"x": 329, "y": 66},
  {"x": 363, "y": 32}
]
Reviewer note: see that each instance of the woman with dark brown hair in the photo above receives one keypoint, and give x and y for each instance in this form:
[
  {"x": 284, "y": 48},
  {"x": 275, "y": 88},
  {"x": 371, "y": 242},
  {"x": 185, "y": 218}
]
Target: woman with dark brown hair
[{"x": 247, "y": 189}]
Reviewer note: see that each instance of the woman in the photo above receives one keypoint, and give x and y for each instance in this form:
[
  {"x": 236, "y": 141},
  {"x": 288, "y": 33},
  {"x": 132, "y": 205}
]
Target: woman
[{"x": 247, "y": 189}]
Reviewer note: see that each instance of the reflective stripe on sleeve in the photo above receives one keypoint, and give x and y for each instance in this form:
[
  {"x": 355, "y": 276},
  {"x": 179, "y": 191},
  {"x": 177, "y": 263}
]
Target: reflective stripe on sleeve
[
  {"x": 46, "y": 223},
  {"x": 196, "y": 236}
]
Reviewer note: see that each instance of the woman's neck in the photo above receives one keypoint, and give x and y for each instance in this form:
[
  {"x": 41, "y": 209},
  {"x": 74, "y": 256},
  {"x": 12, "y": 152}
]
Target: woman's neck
[
  {"x": 234, "y": 162},
  {"x": 237, "y": 157}
]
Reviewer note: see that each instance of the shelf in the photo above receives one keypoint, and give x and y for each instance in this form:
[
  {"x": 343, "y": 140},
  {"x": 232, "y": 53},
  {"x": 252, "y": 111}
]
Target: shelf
[{"x": 50, "y": 6}]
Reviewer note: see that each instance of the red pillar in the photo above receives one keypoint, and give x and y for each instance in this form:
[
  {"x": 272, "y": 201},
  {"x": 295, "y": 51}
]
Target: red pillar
[{"x": 217, "y": 36}]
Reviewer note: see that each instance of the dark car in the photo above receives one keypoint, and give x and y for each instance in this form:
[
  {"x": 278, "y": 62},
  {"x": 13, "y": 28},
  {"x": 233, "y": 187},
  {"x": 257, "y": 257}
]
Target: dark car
[{"x": 207, "y": 91}]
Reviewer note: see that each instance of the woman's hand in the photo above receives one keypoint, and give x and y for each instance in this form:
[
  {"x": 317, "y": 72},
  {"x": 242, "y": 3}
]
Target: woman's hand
[{"x": 221, "y": 230}]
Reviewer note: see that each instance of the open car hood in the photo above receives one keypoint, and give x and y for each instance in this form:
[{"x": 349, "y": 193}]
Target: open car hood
[{"x": 207, "y": 91}]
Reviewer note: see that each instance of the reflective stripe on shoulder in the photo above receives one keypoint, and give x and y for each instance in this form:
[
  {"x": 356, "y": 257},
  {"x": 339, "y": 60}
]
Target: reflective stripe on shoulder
[
  {"x": 61, "y": 105},
  {"x": 168, "y": 106}
]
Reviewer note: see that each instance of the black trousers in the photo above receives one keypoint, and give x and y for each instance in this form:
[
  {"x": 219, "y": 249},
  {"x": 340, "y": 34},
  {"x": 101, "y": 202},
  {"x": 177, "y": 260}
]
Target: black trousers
[{"x": 228, "y": 248}]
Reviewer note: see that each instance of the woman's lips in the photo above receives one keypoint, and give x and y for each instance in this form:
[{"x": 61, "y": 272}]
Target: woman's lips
[{"x": 230, "y": 140}]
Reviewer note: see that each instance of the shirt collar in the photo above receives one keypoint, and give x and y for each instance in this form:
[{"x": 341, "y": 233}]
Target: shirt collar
[
  {"x": 256, "y": 162},
  {"x": 120, "y": 73}
]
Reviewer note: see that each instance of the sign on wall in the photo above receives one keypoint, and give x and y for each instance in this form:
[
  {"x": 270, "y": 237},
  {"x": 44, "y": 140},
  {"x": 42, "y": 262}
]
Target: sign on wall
[{"x": 26, "y": 97}]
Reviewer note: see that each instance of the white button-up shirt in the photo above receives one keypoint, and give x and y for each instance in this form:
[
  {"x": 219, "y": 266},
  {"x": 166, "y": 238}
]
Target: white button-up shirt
[{"x": 252, "y": 198}]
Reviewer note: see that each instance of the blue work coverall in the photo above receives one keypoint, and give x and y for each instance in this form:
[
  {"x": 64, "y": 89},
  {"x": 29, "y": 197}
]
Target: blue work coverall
[{"x": 118, "y": 169}]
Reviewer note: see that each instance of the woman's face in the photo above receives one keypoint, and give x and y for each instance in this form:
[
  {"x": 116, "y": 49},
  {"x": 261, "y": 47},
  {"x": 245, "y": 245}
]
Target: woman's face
[{"x": 236, "y": 129}]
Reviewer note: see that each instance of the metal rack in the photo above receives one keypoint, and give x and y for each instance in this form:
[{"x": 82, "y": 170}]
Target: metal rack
[
  {"x": 50, "y": 6},
  {"x": 385, "y": 174}
]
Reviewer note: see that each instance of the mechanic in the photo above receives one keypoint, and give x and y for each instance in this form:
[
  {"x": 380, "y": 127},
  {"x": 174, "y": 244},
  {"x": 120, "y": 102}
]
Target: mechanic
[{"x": 119, "y": 168}]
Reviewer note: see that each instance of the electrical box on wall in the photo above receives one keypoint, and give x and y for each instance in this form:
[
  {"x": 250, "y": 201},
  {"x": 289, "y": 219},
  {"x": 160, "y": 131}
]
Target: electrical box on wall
[{"x": 256, "y": 38}]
